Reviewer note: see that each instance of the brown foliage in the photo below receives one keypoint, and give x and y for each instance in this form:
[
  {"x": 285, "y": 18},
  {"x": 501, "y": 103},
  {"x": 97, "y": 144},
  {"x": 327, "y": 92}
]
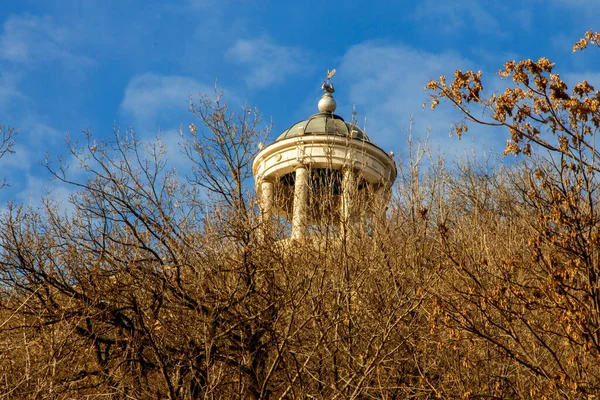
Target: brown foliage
[
  {"x": 478, "y": 282},
  {"x": 528, "y": 283}
]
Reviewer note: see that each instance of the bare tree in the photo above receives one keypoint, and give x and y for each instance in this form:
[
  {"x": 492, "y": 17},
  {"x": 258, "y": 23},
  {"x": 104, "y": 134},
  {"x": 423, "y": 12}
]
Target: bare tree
[
  {"x": 147, "y": 288},
  {"x": 476, "y": 281},
  {"x": 7, "y": 142},
  {"x": 221, "y": 150}
]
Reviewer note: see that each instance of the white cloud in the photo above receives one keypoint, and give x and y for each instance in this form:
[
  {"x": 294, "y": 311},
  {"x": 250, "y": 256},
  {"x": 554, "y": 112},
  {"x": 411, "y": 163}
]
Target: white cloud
[
  {"x": 268, "y": 63},
  {"x": 387, "y": 86},
  {"x": 457, "y": 15},
  {"x": 32, "y": 40},
  {"x": 150, "y": 95},
  {"x": 31, "y": 143},
  {"x": 35, "y": 188},
  {"x": 172, "y": 141},
  {"x": 14, "y": 164},
  {"x": 28, "y": 180},
  {"x": 9, "y": 90},
  {"x": 21, "y": 170}
]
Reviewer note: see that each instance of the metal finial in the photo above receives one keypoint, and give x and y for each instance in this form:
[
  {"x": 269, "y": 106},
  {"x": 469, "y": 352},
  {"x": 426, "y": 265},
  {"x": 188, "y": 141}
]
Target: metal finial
[
  {"x": 327, "y": 102},
  {"x": 327, "y": 85}
]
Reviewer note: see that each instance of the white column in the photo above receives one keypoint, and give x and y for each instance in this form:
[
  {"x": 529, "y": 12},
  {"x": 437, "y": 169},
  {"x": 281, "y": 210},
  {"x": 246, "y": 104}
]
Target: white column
[
  {"x": 300, "y": 217},
  {"x": 266, "y": 208},
  {"x": 348, "y": 191}
]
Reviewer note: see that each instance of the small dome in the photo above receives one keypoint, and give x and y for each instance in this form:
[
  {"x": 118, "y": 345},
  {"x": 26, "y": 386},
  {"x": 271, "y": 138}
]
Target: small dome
[{"x": 324, "y": 124}]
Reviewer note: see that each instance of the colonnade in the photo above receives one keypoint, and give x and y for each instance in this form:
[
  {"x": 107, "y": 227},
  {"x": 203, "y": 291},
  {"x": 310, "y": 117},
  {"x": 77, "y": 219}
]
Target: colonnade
[{"x": 301, "y": 201}]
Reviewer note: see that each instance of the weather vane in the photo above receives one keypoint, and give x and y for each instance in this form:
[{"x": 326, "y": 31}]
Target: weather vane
[{"x": 327, "y": 85}]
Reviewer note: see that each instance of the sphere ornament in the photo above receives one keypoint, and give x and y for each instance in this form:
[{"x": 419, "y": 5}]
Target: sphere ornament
[{"x": 327, "y": 103}]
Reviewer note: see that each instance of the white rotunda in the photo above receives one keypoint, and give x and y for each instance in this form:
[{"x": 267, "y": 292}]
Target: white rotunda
[{"x": 322, "y": 170}]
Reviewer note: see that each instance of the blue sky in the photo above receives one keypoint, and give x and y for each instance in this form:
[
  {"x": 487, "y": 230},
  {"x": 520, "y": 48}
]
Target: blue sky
[{"x": 66, "y": 66}]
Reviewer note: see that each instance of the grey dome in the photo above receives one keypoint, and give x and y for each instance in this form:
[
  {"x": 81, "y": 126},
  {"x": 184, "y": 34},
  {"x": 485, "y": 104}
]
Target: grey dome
[{"x": 324, "y": 124}]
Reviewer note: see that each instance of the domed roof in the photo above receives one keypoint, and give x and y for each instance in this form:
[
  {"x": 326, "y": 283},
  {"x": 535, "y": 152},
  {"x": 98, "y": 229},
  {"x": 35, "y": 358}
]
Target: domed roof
[{"x": 324, "y": 123}]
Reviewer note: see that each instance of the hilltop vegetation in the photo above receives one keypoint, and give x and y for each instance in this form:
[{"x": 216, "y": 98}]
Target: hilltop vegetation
[{"x": 478, "y": 282}]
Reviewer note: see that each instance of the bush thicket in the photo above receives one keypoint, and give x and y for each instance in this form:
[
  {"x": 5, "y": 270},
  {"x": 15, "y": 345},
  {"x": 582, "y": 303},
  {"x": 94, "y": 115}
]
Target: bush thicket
[{"x": 480, "y": 281}]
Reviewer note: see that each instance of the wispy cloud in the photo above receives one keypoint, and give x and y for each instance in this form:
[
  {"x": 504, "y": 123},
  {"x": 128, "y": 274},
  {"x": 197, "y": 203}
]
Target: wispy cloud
[
  {"x": 36, "y": 188},
  {"x": 34, "y": 40},
  {"x": 150, "y": 96},
  {"x": 457, "y": 15},
  {"x": 9, "y": 90},
  {"x": 268, "y": 62},
  {"x": 389, "y": 89},
  {"x": 22, "y": 169}
]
